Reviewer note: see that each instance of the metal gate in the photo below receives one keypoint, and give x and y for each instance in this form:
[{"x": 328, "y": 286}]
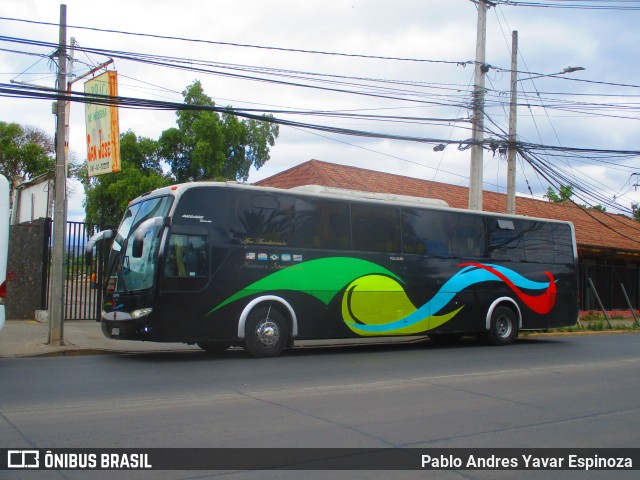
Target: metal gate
[
  {"x": 83, "y": 284},
  {"x": 612, "y": 283}
]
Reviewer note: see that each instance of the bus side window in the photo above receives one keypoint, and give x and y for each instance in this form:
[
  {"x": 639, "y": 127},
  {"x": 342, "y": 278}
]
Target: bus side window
[
  {"x": 375, "y": 228},
  {"x": 321, "y": 224},
  {"x": 468, "y": 236},
  {"x": 425, "y": 233},
  {"x": 262, "y": 219},
  {"x": 562, "y": 244},
  {"x": 187, "y": 256},
  {"x": 506, "y": 240},
  {"x": 538, "y": 241}
]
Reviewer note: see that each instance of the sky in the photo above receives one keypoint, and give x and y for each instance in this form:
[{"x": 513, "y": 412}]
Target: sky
[{"x": 407, "y": 59}]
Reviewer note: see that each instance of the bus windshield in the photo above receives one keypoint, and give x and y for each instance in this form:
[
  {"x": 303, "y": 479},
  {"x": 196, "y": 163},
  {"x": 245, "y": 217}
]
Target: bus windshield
[{"x": 126, "y": 272}]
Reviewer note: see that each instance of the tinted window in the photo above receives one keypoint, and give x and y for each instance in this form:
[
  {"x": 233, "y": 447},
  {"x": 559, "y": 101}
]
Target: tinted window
[
  {"x": 425, "y": 232},
  {"x": 263, "y": 219},
  {"x": 538, "y": 242},
  {"x": 506, "y": 240},
  {"x": 526, "y": 240},
  {"x": 562, "y": 243},
  {"x": 322, "y": 224},
  {"x": 375, "y": 228},
  {"x": 468, "y": 237}
]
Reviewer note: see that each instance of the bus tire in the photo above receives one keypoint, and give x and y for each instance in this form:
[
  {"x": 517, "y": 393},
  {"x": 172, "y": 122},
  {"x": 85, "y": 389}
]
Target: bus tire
[
  {"x": 213, "y": 348},
  {"x": 267, "y": 332},
  {"x": 503, "y": 329}
]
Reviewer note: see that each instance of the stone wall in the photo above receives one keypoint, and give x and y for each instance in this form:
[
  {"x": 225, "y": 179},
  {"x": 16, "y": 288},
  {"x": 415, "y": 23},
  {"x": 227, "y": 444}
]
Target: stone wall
[{"x": 26, "y": 290}]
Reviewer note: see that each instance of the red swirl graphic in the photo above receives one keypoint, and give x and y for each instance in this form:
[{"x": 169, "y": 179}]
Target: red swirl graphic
[{"x": 541, "y": 304}]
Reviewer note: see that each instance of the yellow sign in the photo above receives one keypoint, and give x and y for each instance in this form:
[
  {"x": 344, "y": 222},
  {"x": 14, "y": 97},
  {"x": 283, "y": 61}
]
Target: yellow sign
[{"x": 103, "y": 129}]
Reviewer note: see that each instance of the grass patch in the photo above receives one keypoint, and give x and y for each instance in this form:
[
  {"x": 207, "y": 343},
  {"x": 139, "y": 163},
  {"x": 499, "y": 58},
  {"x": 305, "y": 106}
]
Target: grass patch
[{"x": 596, "y": 322}]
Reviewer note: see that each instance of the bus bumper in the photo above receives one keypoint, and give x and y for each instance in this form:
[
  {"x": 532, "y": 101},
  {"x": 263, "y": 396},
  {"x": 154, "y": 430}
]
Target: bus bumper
[{"x": 127, "y": 329}]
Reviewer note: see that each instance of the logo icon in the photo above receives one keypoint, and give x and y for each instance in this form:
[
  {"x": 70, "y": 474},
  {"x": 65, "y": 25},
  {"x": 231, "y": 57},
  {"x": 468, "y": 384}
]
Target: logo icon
[{"x": 23, "y": 459}]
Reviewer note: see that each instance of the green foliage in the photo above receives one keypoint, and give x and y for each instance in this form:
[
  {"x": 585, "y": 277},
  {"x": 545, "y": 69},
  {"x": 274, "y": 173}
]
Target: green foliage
[
  {"x": 208, "y": 145},
  {"x": 635, "y": 207},
  {"x": 141, "y": 152},
  {"x": 25, "y": 152},
  {"x": 564, "y": 194},
  {"x": 107, "y": 196}
]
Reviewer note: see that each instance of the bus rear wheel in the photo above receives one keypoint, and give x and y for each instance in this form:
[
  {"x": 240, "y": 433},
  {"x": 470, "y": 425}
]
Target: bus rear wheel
[
  {"x": 504, "y": 326},
  {"x": 267, "y": 332}
]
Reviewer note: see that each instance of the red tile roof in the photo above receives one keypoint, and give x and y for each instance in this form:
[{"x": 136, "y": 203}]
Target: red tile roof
[{"x": 594, "y": 229}]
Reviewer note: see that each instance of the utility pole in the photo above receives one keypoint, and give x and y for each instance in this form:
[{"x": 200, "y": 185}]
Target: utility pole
[
  {"x": 513, "y": 115},
  {"x": 475, "y": 181},
  {"x": 56, "y": 312}
]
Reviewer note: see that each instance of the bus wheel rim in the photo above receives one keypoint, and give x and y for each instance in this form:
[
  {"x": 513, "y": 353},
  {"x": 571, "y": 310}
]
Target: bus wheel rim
[
  {"x": 267, "y": 333},
  {"x": 503, "y": 326}
]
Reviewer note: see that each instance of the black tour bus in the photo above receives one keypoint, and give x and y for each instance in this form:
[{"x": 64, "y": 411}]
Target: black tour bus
[{"x": 227, "y": 264}]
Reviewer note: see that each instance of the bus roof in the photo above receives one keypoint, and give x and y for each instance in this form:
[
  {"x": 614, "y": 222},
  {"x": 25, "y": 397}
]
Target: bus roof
[
  {"x": 320, "y": 191},
  {"x": 346, "y": 193}
]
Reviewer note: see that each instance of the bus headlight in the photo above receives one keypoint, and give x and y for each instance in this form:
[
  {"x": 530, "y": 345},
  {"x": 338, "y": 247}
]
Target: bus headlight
[{"x": 142, "y": 312}]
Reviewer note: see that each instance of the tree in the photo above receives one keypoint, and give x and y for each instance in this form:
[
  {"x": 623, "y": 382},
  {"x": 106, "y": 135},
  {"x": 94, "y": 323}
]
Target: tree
[
  {"x": 25, "y": 153},
  {"x": 564, "y": 194},
  {"x": 635, "y": 207},
  {"x": 107, "y": 196},
  {"x": 209, "y": 145}
]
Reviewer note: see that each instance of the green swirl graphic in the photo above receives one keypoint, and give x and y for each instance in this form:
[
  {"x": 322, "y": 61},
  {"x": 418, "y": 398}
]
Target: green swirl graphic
[{"x": 322, "y": 278}]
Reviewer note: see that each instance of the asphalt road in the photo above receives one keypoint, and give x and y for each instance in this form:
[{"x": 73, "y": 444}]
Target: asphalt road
[{"x": 565, "y": 391}]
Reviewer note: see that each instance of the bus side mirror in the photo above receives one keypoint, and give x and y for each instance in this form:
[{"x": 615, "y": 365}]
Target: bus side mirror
[
  {"x": 88, "y": 249},
  {"x": 138, "y": 246},
  {"x": 138, "y": 237}
]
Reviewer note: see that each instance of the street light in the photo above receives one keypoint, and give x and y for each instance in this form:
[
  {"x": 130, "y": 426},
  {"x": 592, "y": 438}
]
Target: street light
[
  {"x": 572, "y": 69},
  {"x": 566, "y": 70}
]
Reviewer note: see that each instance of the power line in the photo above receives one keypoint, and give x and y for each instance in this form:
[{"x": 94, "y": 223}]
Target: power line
[
  {"x": 215, "y": 68},
  {"x": 574, "y": 4},
  {"x": 233, "y": 44},
  {"x": 541, "y": 170},
  {"x": 21, "y": 91}
]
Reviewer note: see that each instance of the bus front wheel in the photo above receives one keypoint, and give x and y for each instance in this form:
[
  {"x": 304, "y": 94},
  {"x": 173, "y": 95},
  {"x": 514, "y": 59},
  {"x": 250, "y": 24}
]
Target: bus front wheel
[
  {"x": 504, "y": 326},
  {"x": 267, "y": 332}
]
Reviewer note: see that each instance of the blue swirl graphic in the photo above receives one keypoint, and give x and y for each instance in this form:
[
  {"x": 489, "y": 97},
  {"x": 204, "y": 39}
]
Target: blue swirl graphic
[{"x": 465, "y": 278}]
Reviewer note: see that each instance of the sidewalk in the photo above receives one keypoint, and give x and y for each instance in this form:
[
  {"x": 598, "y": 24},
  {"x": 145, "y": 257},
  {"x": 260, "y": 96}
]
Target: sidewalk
[{"x": 28, "y": 338}]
